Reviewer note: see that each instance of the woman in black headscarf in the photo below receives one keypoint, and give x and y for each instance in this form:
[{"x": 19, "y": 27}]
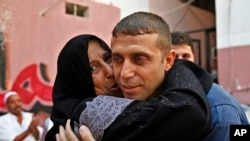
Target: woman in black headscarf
[{"x": 83, "y": 71}]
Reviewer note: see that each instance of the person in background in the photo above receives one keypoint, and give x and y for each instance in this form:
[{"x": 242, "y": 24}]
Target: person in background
[
  {"x": 18, "y": 125},
  {"x": 226, "y": 110},
  {"x": 182, "y": 43}
]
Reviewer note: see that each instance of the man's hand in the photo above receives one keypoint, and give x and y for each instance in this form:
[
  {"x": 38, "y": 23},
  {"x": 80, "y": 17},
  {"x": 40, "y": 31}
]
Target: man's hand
[
  {"x": 34, "y": 123},
  {"x": 33, "y": 127},
  {"x": 68, "y": 135}
]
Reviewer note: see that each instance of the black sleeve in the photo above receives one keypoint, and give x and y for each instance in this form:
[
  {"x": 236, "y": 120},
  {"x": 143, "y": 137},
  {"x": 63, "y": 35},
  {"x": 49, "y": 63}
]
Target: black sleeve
[{"x": 69, "y": 107}]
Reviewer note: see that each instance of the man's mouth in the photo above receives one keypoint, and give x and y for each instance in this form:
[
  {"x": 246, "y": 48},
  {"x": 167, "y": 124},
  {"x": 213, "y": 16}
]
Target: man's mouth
[
  {"x": 128, "y": 86},
  {"x": 128, "y": 89}
]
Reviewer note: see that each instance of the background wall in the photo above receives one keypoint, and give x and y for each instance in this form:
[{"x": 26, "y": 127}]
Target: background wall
[
  {"x": 34, "y": 33},
  {"x": 233, "y": 32}
]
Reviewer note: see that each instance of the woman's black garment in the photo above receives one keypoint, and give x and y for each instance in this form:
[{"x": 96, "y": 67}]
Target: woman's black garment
[
  {"x": 73, "y": 82},
  {"x": 180, "y": 112}
]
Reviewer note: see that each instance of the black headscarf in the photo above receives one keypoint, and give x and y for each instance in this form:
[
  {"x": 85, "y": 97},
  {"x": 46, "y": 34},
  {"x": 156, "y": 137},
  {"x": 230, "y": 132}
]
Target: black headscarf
[{"x": 73, "y": 82}]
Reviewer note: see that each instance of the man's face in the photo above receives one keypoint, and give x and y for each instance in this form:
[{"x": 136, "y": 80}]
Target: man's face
[
  {"x": 14, "y": 104},
  {"x": 183, "y": 51},
  {"x": 139, "y": 66}
]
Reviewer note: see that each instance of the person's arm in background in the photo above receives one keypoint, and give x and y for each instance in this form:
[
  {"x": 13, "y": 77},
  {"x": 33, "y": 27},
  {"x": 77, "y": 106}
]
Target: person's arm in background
[
  {"x": 5, "y": 136},
  {"x": 225, "y": 112},
  {"x": 8, "y": 131},
  {"x": 33, "y": 129},
  {"x": 23, "y": 135}
]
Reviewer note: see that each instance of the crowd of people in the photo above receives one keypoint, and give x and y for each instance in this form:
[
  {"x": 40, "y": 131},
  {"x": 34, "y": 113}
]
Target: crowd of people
[{"x": 145, "y": 86}]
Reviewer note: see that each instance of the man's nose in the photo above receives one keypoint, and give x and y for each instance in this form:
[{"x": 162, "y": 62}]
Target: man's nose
[{"x": 127, "y": 70}]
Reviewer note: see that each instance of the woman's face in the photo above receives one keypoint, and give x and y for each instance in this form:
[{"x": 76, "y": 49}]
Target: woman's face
[{"x": 101, "y": 69}]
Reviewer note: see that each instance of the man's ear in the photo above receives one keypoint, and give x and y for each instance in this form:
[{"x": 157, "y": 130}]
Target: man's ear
[{"x": 169, "y": 58}]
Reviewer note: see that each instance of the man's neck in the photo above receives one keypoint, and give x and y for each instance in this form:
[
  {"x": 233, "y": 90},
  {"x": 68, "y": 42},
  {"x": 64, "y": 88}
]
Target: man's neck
[
  {"x": 19, "y": 118},
  {"x": 157, "y": 92}
]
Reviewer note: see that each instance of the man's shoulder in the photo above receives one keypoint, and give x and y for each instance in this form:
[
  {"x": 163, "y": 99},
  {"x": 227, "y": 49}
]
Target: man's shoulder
[
  {"x": 224, "y": 105},
  {"x": 5, "y": 117},
  {"x": 217, "y": 96}
]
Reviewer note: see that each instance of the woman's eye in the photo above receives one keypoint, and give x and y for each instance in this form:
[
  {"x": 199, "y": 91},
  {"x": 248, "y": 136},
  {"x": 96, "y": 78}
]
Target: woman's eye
[
  {"x": 108, "y": 59},
  {"x": 93, "y": 68},
  {"x": 116, "y": 59}
]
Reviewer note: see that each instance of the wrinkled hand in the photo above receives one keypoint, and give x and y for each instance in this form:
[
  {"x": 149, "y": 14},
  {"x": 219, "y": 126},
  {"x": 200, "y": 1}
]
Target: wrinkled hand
[
  {"x": 68, "y": 135},
  {"x": 85, "y": 133}
]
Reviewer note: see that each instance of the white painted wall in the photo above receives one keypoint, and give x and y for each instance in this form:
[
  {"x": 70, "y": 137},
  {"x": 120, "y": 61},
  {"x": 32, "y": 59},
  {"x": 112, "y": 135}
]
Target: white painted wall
[
  {"x": 128, "y": 6},
  {"x": 233, "y": 23}
]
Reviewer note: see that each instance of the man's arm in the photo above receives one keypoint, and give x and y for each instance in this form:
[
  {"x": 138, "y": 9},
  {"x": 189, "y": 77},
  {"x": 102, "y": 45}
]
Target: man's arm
[
  {"x": 22, "y": 136},
  {"x": 31, "y": 130},
  {"x": 221, "y": 123}
]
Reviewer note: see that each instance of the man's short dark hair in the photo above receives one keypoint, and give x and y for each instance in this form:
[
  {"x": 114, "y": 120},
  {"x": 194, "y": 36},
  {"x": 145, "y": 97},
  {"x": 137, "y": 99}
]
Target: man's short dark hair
[
  {"x": 140, "y": 23},
  {"x": 179, "y": 38}
]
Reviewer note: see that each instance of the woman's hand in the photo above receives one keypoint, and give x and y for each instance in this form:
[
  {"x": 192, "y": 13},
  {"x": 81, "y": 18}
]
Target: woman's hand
[
  {"x": 85, "y": 133},
  {"x": 68, "y": 135}
]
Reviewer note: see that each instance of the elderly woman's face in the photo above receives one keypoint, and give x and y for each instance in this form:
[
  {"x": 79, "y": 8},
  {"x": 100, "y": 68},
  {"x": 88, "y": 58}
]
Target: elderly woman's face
[{"x": 101, "y": 68}]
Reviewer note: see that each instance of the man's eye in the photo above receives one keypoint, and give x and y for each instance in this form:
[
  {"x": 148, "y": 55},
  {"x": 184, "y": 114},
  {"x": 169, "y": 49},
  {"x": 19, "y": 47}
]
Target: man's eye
[
  {"x": 139, "y": 60},
  {"x": 116, "y": 59}
]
